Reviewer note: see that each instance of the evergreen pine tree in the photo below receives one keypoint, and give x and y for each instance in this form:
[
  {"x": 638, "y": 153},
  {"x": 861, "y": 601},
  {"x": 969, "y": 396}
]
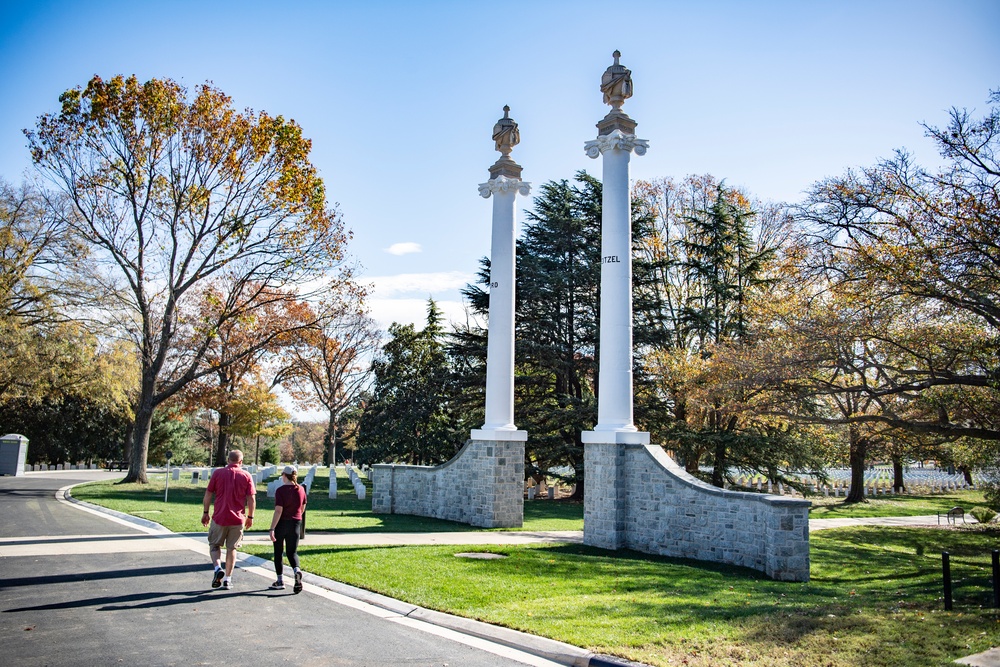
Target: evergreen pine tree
[{"x": 409, "y": 417}]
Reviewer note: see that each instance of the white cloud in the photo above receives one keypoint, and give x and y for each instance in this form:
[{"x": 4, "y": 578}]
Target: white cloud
[
  {"x": 403, "y": 297},
  {"x": 412, "y": 311},
  {"x": 407, "y": 248},
  {"x": 418, "y": 283}
]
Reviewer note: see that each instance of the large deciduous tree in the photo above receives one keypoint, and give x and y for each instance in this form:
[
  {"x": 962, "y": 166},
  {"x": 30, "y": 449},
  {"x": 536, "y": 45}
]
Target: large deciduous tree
[
  {"x": 706, "y": 260},
  {"x": 171, "y": 192},
  {"x": 257, "y": 414},
  {"x": 923, "y": 243},
  {"x": 238, "y": 353},
  {"x": 329, "y": 365},
  {"x": 35, "y": 359}
]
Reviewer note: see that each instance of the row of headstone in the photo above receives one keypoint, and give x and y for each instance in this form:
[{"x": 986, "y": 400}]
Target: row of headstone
[
  {"x": 199, "y": 475},
  {"x": 263, "y": 473},
  {"x": 876, "y": 483},
  {"x": 272, "y": 487},
  {"x": 308, "y": 480},
  {"x": 40, "y": 467},
  {"x": 838, "y": 489},
  {"x": 533, "y": 492},
  {"x": 359, "y": 486}
]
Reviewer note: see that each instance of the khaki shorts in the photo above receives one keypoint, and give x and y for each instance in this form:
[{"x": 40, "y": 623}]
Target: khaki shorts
[{"x": 231, "y": 536}]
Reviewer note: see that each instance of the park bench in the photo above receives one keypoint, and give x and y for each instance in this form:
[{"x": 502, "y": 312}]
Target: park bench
[
  {"x": 113, "y": 465},
  {"x": 952, "y": 515}
]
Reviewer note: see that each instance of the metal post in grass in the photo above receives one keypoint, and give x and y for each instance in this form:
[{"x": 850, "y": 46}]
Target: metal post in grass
[
  {"x": 946, "y": 566},
  {"x": 996, "y": 578},
  {"x": 166, "y": 477}
]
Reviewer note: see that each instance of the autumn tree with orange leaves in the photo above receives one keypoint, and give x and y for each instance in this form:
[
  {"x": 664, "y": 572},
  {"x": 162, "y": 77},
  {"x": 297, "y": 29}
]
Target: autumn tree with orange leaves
[
  {"x": 172, "y": 192},
  {"x": 329, "y": 365},
  {"x": 238, "y": 353}
]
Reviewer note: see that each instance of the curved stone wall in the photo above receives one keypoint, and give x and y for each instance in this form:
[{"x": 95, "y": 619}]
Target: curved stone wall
[
  {"x": 483, "y": 485},
  {"x": 638, "y": 498}
]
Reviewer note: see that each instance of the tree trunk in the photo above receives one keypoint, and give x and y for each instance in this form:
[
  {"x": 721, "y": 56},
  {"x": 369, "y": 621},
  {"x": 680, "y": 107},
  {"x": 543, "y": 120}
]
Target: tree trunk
[
  {"x": 897, "y": 474},
  {"x": 222, "y": 445},
  {"x": 330, "y": 439},
  {"x": 578, "y": 469},
  {"x": 859, "y": 447},
  {"x": 127, "y": 443},
  {"x": 966, "y": 473},
  {"x": 721, "y": 462},
  {"x": 140, "y": 442},
  {"x": 692, "y": 461}
]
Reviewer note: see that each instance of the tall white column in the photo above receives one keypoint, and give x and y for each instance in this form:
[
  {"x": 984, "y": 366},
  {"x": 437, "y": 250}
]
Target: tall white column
[
  {"x": 504, "y": 186},
  {"x": 615, "y": 143}
]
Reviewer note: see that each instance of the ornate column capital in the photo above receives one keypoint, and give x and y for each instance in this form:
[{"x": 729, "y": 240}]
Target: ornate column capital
[
  {"x": 502, "y": 184},
  {"x": 615, "y": 139}
]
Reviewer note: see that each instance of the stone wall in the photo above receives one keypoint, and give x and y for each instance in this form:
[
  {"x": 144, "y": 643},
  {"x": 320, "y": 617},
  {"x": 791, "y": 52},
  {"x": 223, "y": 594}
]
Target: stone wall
[
  {"x": 638, "y": 498},
  {"x": 483, "y": 485}
]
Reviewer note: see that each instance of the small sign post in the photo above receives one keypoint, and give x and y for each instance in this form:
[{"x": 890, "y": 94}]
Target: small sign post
[{"x": 166, "y": 477}]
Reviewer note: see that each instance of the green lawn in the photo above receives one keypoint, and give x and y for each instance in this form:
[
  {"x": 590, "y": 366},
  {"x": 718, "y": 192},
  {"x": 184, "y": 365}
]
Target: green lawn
[
  {"x": 874, "y": 598},
  {"x": 833, "y": 508},
  {"x": 346, "y": 514}
]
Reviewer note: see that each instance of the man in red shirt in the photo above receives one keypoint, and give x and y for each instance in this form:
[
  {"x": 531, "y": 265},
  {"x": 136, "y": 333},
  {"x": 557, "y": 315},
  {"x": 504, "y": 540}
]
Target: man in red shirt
[{"x": 234, "y": 490}]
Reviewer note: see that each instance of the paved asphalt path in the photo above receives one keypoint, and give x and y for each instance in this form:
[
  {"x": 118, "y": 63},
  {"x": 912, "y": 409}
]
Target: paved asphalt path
[{"x": 78, "y": 588}]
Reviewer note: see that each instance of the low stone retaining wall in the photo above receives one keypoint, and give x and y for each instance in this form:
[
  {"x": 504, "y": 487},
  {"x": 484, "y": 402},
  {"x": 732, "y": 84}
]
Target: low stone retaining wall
[
  {"x": 638, "y": 498},
  {"x": 483, "y": 485}
]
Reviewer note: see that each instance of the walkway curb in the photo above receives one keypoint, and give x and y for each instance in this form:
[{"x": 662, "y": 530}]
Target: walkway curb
[
  {"x": 542, "y": 647},
  {"x": 65, "y": 494}
]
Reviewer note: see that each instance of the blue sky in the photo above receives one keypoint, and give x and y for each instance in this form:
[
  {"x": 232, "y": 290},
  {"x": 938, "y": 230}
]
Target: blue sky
[{"x": 399, "y": 98}]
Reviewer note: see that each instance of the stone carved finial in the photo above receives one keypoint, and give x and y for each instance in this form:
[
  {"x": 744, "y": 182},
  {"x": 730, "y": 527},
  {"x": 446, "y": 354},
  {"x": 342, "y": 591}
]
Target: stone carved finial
[
  {"x": 505, "y": 133},
  {"x": 506, "y": 136},
  {"x": 616, "y": 84}
]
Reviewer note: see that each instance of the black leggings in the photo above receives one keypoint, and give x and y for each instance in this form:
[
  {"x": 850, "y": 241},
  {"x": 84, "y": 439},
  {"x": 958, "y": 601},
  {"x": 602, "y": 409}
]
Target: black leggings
[{"x": 286, "y": 535}]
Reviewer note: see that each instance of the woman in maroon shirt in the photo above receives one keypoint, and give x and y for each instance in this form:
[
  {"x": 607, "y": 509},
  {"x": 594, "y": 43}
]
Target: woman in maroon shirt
[{"x": 289, "y": 503}]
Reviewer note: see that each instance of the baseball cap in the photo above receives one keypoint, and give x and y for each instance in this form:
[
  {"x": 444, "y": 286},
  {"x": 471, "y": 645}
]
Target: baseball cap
[{"x": 289, "y": 470}]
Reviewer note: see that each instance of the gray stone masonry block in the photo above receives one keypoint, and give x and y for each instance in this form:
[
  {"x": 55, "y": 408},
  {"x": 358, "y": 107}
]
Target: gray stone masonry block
[
  {"x": 481, "y": 486},
  {"x": 638, "y": 498}
]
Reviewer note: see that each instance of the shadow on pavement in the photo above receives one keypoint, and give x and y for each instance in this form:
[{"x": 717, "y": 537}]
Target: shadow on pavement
[
  {"x": 111, "y": 574},
  {"x": 144, "y": 600},
  {"x": 77, "y": 539}
]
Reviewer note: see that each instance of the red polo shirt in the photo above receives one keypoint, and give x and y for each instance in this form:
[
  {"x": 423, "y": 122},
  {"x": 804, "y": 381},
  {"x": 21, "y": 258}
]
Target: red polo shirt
[{"x": 231, "y": 486}]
